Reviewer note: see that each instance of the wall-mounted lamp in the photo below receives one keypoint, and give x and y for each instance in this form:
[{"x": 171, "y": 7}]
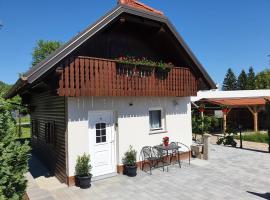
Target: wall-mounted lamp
[{"x": 175, "y": 103}]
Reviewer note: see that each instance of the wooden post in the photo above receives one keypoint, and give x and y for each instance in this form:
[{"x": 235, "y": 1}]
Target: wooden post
[
  {"x": 224, "y": 122},
  {"x": 254, "y": 112},
  {"x": 225, "y": 114},
  {"x": 202, "y": 116},
  {"x": 255, "y": 121}
]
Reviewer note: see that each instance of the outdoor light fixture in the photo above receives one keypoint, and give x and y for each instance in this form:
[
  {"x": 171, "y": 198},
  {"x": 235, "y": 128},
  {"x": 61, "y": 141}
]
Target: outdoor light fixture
[{"x": 175, "y": 103}]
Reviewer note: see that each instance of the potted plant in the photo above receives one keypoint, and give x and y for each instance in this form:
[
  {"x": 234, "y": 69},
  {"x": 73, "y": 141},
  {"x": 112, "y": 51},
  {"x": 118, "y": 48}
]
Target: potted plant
[
  {"x": 166, "y": 141},
  {"x": 129, "y": 161},
  {"x": 82, "y": 171}
]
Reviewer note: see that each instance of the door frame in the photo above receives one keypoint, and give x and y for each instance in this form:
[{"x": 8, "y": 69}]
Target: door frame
[{"x": 114, "y": 133}]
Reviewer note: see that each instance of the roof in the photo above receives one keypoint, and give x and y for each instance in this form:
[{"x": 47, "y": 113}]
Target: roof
[
  {"x": 239, "y": 101},
  {"x": 216, "y": 94},
  {"x": 139, "y": 5},
  {"x": 48, "y": 63}
]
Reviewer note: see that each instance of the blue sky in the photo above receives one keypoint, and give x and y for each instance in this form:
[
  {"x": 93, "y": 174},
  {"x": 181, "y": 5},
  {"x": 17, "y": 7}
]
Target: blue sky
[{"x": 222, "y": 34}]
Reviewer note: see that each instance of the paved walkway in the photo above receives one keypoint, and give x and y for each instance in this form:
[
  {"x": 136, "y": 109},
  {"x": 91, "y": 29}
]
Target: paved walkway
[
  {"x": 246, "y": 144},
  {"x": 230, "y": 173}
]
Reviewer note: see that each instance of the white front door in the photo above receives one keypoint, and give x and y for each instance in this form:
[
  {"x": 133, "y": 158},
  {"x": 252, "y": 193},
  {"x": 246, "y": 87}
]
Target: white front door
[{"x": 102, "y": 142}]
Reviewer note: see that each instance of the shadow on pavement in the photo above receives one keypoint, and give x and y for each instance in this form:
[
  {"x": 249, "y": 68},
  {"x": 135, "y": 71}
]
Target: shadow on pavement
[
  {"x": 37, "y": 168},
  {"x": 265, "y": 195}
]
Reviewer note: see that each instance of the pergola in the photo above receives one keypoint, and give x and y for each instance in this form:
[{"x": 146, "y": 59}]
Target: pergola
[{"x": 254, "y": 105}]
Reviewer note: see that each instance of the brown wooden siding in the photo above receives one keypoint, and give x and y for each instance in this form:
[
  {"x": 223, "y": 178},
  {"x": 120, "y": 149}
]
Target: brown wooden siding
[
  {"x": 86, "y": 76},
  {"x": 47, "y": 107}
]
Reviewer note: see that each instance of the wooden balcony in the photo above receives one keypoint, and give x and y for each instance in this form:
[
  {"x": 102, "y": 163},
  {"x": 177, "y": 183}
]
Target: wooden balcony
[{"x": 87, "y": 76}]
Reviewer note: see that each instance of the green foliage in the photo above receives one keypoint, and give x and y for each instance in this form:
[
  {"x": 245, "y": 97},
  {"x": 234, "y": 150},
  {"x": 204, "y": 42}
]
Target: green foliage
[
  {"x": 4, "y": 88},
  {"x": 13, "y": 157},
  {"x": 15, "y": 102},
  {"x": 242, "y": 81},
  {"x": 254, "y": 137},
  {"x": 251, "y": 79},
  {"x": 227, "y": 140},
  {"x": 130, "y": 157},
  {"x": 83, "y": 166},
  {"x": 262, "y": 80},
  {"x": 145, "y": 62},
  {"x": 230, "y": 82},
  {"x": 43, "y": 49},
  {"x": 203, "y": 125}
]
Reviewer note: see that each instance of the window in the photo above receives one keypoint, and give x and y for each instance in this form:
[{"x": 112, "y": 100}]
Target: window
[
  {"x": 34, "y": 128},
  {"x": 50, "y": 133},
  {"x": 100, "y": 132},
  {"x": 155, "y": 119}
]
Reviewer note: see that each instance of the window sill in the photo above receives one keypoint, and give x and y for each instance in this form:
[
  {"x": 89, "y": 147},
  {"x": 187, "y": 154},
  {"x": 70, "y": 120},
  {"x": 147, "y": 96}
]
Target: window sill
[{"x": 157, "y": 132}]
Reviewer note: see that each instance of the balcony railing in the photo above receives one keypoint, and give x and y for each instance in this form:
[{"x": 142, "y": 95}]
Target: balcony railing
[{"x": 87, "y": 76}]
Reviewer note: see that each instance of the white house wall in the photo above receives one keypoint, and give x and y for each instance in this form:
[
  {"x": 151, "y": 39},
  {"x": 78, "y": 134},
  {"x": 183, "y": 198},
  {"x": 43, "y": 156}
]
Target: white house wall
[{"x": 133, "y": 123}]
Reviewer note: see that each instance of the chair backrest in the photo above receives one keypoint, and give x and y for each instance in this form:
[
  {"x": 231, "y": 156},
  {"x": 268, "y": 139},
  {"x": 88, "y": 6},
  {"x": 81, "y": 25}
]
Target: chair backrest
[
  {"x": 158, "y": 153},
  {"x": 183, "y": 146},
  {"x": 174, "y": 143},
  {"x": 146, "y": 152}
]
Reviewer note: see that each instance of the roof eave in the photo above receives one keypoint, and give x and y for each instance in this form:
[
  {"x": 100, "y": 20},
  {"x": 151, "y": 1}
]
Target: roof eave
[{"x": 14, "y": 90}]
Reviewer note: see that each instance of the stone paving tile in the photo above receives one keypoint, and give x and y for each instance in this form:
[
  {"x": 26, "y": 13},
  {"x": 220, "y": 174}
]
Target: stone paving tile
[{"x": 229, "y": 174}]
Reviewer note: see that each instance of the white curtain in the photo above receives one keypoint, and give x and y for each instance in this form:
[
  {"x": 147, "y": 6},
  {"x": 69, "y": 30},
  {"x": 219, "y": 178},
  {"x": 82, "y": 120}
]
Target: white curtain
[{"x": 155, "y": 119}]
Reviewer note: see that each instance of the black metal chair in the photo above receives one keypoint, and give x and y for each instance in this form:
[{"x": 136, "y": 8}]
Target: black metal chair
[
  {"x": 180, "y": 151},
  {"x": 152, "y": 157}
]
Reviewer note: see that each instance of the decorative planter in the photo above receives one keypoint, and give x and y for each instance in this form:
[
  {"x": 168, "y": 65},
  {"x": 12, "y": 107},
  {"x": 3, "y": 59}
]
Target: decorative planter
[
  {"x": 83, "y": 182},
  {"x": 130, "y": 170},
  {"x": 163, "y": 70},
  {"x": 201, "y": 110},
  {"x": 145, "y": 68},
  {"x": 225, "y": 110}
]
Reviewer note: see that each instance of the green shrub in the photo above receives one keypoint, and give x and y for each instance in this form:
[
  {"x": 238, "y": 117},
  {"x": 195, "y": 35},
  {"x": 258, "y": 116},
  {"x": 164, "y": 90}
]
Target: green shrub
[
  {"x": 203, "y": 125},
  {"x": 83, "y": 166},
  {"x": 254, "y": 137},
  {"x": 130, "y": 157},
  {"x": 227, "y": 140},
  {"x": 13, "y": 158}
]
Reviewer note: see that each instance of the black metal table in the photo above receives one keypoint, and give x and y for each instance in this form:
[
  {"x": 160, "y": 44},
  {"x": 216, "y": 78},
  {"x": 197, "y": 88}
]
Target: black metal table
[{"x": 172, "y": 148}]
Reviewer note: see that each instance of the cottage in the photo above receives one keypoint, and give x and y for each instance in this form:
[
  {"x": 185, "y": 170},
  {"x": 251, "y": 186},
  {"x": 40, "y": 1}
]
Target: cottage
[{"x": 125, "y": 80}]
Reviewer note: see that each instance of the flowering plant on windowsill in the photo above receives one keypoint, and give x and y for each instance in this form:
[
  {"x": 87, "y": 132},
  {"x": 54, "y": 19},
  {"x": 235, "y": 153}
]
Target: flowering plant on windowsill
[
  {"x": 166, "y": 141},
  {"x": 131, "y": 60}
]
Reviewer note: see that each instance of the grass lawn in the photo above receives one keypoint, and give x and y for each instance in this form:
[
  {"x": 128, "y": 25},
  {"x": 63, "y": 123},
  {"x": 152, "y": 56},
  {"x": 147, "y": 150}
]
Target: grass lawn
[
  {"x": 25, "y": 132},
  {"x": 24, "y": 119},
  {"x": 254, "y": 137}
]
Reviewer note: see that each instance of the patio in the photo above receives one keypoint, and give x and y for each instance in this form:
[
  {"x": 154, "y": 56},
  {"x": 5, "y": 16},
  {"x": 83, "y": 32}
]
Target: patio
[{"x": 229, "y": 174}]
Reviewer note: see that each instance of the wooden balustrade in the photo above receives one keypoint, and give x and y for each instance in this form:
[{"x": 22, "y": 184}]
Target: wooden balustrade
[{"x": 86, "y": 76}]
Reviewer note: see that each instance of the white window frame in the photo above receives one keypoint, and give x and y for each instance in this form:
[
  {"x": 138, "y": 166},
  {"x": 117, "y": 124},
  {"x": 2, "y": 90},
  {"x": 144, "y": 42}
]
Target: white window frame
[{"x": 163, "y": 121}]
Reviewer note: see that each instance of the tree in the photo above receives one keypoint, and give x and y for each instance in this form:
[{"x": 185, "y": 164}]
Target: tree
[
  {"x": 262, "y": 80},
  {"x": 43, "y": 49},
  {"x": 13, "y": 157},
  {"x": 230, "y": 82},
  {"x": 242, "y": 81},
  {"x": 251, "y": 79}
]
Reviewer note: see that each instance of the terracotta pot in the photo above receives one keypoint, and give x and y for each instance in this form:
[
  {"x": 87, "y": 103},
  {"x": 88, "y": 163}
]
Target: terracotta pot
[{"x": 225, "y": 110}]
